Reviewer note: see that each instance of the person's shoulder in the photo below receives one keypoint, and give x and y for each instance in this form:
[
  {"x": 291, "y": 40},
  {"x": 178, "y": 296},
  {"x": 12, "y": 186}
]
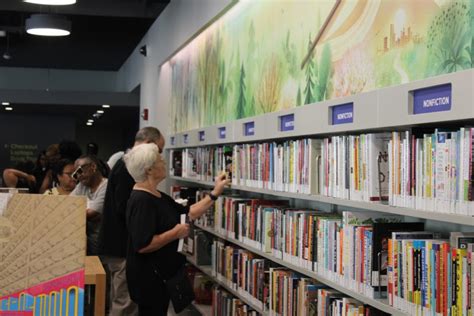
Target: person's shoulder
[{"x": 80, "y": 189}]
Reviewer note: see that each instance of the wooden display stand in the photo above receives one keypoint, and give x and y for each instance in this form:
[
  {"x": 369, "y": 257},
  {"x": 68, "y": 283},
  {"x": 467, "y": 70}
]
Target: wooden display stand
[{"x": 95, "y": 275}]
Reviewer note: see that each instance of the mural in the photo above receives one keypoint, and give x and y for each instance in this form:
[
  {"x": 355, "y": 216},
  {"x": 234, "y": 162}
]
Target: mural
[{"x": 265, "y": 56}]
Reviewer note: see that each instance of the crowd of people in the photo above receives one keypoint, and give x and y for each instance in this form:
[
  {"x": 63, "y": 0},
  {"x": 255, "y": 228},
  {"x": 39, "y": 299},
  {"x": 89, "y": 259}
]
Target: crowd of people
[{"x": 131, "y": 225}]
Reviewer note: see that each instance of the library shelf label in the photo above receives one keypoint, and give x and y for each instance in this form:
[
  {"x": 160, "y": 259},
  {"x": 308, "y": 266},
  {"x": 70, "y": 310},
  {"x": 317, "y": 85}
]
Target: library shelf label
[
  {"x": 172, "y": 140},
  {"x": 222, "y": 133},
  {"x": 249, "y": 128},
  {"x": 432, "y": 99},
  {"x": 185, "y": 138},
  {"x": 287, "y": 122},
  {"x": 202, "y": 136},
  {"x": 342, "y": 114}
]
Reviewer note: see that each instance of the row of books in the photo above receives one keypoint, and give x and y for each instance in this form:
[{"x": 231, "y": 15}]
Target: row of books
[
  {"x": 225, "y": 304},
  {"x": 292, "y": 294},
  {"x": 242, "y": 271},
  {"x": 203, "y": 163},
  {"x": 280, "y": 166},
  {"x": 350, "y": 250},
  {"x": 278, "y": 290},
  {"x": 428, "y": 276},
  {"x": 433, "y": 172}
]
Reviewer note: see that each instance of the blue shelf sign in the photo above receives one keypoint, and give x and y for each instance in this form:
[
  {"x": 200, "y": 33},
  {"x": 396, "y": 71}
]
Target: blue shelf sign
[
  {"x": 222, "y": 132},
  {"x": 287, "y": 122},
  {"x": 249, "y": 128},
  {"x": 432, "y": 99},
  {"x": 342, "y": 114}
]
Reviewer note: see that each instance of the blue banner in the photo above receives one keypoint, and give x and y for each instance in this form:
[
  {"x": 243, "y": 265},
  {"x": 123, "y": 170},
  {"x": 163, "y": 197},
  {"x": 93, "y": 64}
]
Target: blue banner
[
  {"x": 222, "y": 134},
  {"x": 342, "y": 114},
  {"x": 287, "y": 122},
  {"x": 185, "y": 138},
  {"x": 249, "y": 128},
  {"x": 432, "y": 99},
  {"x": 201, "y": 136}
]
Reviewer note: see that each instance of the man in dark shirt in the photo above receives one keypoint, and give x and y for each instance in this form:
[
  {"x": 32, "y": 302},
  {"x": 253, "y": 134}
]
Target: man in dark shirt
[{"x": 113, "y": 235}]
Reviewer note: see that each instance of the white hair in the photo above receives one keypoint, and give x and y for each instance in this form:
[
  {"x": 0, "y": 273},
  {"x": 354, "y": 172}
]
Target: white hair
[{"x": 139, "y": 159}]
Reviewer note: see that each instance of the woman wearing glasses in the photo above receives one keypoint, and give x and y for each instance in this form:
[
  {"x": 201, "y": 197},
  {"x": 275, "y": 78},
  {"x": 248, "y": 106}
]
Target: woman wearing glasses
[{"x": 62, "y": 176}]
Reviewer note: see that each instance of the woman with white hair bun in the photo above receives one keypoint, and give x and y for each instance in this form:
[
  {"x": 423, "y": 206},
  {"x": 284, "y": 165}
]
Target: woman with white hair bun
[{"x": 154, "y": 229}]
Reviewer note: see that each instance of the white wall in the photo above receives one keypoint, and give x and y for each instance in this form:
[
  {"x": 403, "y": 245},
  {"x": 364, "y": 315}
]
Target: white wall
[{"x": 179, "y": 22}]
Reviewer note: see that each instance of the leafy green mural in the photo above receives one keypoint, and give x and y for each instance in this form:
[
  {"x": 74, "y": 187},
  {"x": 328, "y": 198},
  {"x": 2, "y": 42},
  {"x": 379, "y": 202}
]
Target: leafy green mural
[{"x": 261, "y": 57}]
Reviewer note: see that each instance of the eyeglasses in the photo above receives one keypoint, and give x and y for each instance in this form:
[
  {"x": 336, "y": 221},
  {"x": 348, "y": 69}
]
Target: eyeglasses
[{"x": 79, "y": 171}]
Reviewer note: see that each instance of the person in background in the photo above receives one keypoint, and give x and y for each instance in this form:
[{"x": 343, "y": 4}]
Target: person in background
[
  {"x": 37, "y": 178},
  {"x": 20, "y": 177},
  {"x": 92, "y": 149},
  {"x": 153, "y": 222},
  {"x": 91, "y": 184},
  {"x": 114, "y": 158},
  {"x": 113, "y": 233},
  {"x": 62, "y": 176}
]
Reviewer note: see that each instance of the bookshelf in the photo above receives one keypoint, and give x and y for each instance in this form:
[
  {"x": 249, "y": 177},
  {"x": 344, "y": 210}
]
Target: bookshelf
[
  {"x": 379, "y": 304},
  {"x": 382, "y": 208},
  {"x": 388, "y": 109},
  {"x": 208, "y": 271}
]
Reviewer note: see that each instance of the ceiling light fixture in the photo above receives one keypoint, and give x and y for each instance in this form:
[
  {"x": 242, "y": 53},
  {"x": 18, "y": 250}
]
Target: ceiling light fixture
[
  {"x": 100, "y": 111},
  {"x": 5, "y": 103},
  {"x": 106, "y": 106},
  {"x": 89, "y": 124},
  {"x": 51, "y": 2},
  {"x": 48, "y": 25},
  {"x": 90, "y": 121},
  {"x": 8, "y": 108}
]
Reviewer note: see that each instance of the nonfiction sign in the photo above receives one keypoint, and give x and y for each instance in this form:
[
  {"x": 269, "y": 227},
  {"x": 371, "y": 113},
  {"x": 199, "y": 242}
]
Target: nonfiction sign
[
  {"x": 42, "y": 256},
  {"x": 342, "y": 114},
  {"x": 432, "y": 99}
]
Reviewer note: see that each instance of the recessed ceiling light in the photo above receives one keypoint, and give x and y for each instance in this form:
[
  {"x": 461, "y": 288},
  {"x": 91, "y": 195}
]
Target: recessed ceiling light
[
  {"x": 47, "y": 25},
  {"x": 89, "y": 123},
  {"x": 106, "y": 106},
  {"x": 100, "y": 111},
  {"x": 51, "y": 2},
  {"x": 8, "y": 108},
  {"x": 5, "y": 103}
]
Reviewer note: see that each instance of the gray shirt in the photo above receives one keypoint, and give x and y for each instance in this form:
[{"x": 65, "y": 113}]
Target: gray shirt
[{"x": 95, "y": 201}]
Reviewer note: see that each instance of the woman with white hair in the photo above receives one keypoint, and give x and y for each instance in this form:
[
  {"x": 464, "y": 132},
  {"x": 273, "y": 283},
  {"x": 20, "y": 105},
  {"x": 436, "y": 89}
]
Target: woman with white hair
[{"x": 154, "y": 229}]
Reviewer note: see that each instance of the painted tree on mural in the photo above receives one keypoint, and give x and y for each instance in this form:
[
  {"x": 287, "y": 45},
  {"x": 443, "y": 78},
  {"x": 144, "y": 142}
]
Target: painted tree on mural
[
  {"x": 210, "y": 70},
  {"x": 289, "y": 52},
  {"x": 325, "y": 68},
  {"x": 449, "y": 39},
  {"x": 241, "y": 104},
  {"x": 298, "y": 97},
  {"x": 269, "y": 90}
]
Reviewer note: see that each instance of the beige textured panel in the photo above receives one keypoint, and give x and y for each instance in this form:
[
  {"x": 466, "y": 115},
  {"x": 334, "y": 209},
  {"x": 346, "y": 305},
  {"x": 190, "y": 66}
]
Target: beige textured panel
[{"x": 45, "y": 238}]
